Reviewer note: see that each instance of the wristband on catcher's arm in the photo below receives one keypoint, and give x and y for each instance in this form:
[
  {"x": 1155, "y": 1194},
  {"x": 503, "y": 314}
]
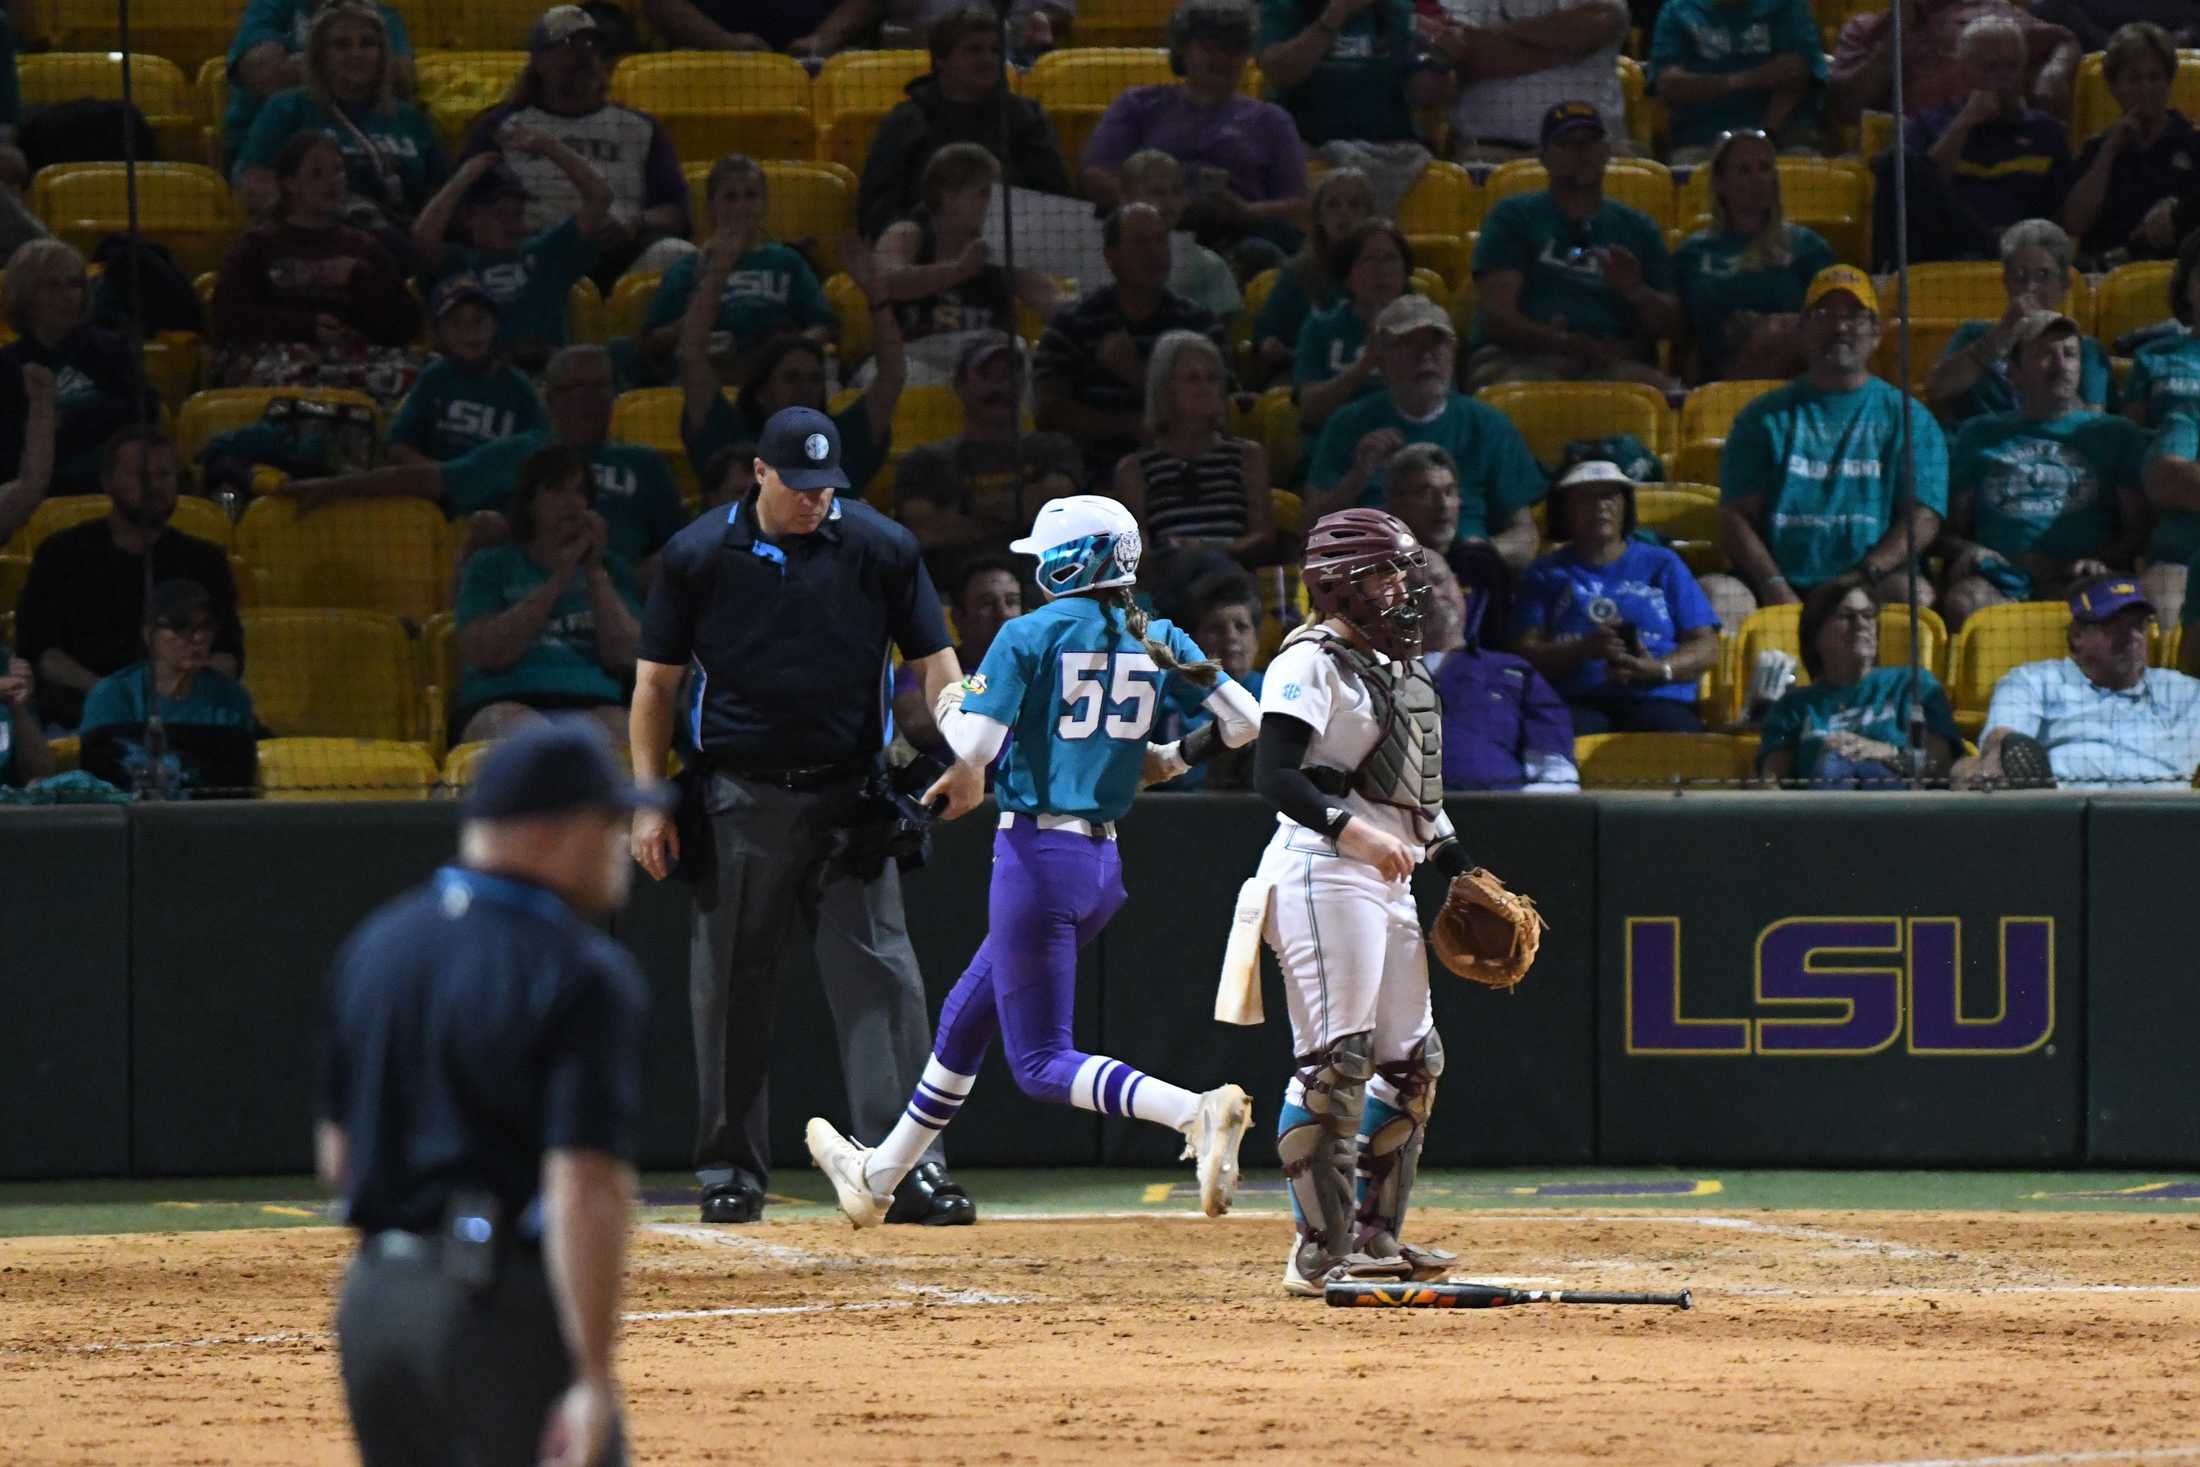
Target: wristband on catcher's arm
[{"x": 1450, "y": 857}]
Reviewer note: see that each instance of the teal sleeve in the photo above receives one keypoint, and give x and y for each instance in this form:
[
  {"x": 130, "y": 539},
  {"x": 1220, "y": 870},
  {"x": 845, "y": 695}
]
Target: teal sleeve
[
  {"x": 1184, "y": 695},
  {"x": 2096, "y": 379},
  {"x": 809, "y": 304},
  {"x": 1333, "y": 451},
  {"x": 2139, "y": 383},
  {"x": 481, "y": 587},
  {"x": 1283, "y": 314},
  {"x": 416, "y": 416},
  {"x": 264, "y": 21},
  {"x": 1505, "y": 242},
  {"x": 1657, "y": 262},
  {"x": 1005, "y": 674},
  {"x": 1279, "y": 22},
  {"x": 1931, "y": 459},
  {"x": 1963, "y": 459},
  {"x": 278, "y": 120},
  {"x": 484, "y": 478},
  {"x": 1965, "y": 335},
  {"x": 1668, "y": 45},
  {"x": 2179, "y": 438},
  {"x": 671, "y": 299},
  {"x": 393, "y": 25},
  {"x": 1516, "y": 480},
  {"x": 1939, "y": 717},
  {"x": 1797, "y": 34},
  {"x": 106, "y": 706},
  {"x": 1306, "y": 363},
  {"x": 1747, "y": 466},
  {"x": 1812, "y": 253}
]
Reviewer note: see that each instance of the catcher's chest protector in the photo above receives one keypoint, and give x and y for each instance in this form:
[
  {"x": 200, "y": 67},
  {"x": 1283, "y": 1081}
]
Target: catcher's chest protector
[{"x": 1406, "y": 767}]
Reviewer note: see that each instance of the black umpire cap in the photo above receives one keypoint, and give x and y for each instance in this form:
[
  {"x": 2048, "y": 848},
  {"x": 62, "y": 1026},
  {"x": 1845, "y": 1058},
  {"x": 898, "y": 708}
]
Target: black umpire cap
[
  {"x": 557, "y": 767},
  {"x": 803, "y": 447}
]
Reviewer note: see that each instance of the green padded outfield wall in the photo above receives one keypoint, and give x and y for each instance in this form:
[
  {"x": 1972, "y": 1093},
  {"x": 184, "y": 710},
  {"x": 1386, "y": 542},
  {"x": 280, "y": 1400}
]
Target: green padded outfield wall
[{"x": 2142, "y": 982}]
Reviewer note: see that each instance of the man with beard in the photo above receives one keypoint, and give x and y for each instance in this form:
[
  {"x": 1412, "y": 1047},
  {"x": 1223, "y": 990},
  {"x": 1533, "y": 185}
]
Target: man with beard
[
  {"x": 1417, "y": 350},
  {"x": 2046, "y": 497},
  {"x": 1810, "y": 480},
  {"x": 82, "y": 615}
]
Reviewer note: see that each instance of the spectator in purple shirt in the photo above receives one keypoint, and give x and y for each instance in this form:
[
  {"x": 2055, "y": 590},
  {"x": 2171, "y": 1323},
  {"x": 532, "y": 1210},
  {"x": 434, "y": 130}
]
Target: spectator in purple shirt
[
  {"x": 1504, "y": 728},
  {"x": 1978, "y": 165},
  {"x": 564, "y": 94},
  {"x": 1242, "y": 158}
]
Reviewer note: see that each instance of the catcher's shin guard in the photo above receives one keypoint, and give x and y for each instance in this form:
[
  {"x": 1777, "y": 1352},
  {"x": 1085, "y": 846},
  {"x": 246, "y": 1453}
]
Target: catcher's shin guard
[
  {"x": 1318, "y": 1153},
  {"x": 1390, "y": 1154}
]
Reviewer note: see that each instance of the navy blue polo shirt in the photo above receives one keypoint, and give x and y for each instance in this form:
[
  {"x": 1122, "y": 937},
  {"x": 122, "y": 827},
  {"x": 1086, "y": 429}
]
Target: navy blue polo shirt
[
  {"x": 477, "y": 1022},
  {"x": 789, "y": 637}
]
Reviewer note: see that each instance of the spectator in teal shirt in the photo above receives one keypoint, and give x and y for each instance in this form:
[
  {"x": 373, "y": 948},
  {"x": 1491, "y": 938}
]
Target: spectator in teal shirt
[
  {"x": 2172, "y": 481},
  {"x": 2165, "y": 370},
  {"x": 1341, "y": 201},
  {"x": 209, "y": 735},
  {"x": 1333, "y": 365},
  {"x": 268, "y": 56},
  {"x": 1742, "y": 280},
  {"x": 1499, "y": 479},
  {"x": 2045, "y": 498},
  {"x": 634, "y": 491},
  {"x": 1809, "y": 479},
  {"x": 548, "y": 621},
  {"x": 1848, "y": 727},
  {"x": 24, "y": 756},
  {"x": 1568, "y": 284},
  {"x": 392, "y": 157},
  {"x": 530, "y": 277},
  {"x": 769, "y": 289},
  {"x": 1972, "y": 376},
  {"x": 1721, "y": 66},
  {"x": 470, "y": 395},
  {"x": 1343, "y": 68},
  {"x": 790, "y": 373}
]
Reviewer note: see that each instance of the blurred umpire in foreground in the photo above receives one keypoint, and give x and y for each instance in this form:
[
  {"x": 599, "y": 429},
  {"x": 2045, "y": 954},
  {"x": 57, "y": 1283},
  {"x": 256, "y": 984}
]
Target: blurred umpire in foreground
[
  {"x": 784, "y": 605},
  {"x": 481, "y": 1098}
]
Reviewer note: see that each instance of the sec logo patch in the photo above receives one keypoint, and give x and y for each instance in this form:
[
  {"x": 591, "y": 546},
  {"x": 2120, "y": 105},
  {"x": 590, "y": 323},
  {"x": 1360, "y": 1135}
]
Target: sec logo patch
[{"x": 1290, "y": 692}]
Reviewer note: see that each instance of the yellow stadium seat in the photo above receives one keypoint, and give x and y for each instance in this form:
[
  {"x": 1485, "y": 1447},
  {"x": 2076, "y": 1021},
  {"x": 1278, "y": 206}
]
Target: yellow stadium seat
[
  {"x": 2132, "y": 296},
  {"x": 186, "y": 32},
  {"x": 587, "y": 318},
  {"x": 1929, "y": 340},
  {"x": 345, "y": 769},
  {"x": 1706, "y": 415},
  {"x": 651, "y": 416},
  {"x": 159, "y": 88},
  {"x": 1654, "y": 760},
  {"x": 711, "y": 103},
  {"x": 14, "y": 571},
  {"x": 366, "y": 554},
  {"x": 1972, "y": 290},
  {"x": 1995, "y": 639},
  {"x": 333, "y": 674},
  {"x": 1242, "y": 344},
  {"x": 1876, "y": 133},
  {"x": 925, "y": 415},
  {"x": 1122, "y": 23},
  {"x": 1435, "y": 216},
  {"x": 2171, "y": 647},
  {"x": 1647, "y": 123},
  {"x": 1552, "y": 414},
  {"x": 1831, "y": 195},
  {"x": 1779, "y": 628},
  {"x": 220, "y": 409},
  {"x": 1281, "y": 431},
  {"x": 865, "y": 82},
  {"x": 455, "y": 87},
  {"x": 438, "y": 672},
  {"x": 1638, "y": 183},
  {"x": 1093, "y": 76},
  {"x": 1687, "y": 515},
  {"x": 202, "y": 518},
  {"x": 2093, "y": 107},
  {"x": 171, "y": 362},
  {"x": 629, "y": 302},
  {"x": 803, "y": 201},
  {"x": 459, "y": 764},
  {"x": 185, "y": 206}
]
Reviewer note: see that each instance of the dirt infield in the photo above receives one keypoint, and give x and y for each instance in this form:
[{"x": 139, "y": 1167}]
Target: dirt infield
[{"x": 1818, "y": 1338}]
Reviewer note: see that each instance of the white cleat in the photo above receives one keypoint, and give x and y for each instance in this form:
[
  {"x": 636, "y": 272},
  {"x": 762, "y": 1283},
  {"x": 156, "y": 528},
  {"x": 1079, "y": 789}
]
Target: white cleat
[
  {"x": 1307, "y": 1270},
  {"x": 841, "y": 1160},
  {"x": 1211, "y": 1143}
]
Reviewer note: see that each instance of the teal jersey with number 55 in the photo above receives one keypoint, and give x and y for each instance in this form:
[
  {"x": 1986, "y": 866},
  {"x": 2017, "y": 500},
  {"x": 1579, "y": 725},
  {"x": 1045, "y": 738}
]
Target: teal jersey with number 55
[{"x": 1080, "y": 695}]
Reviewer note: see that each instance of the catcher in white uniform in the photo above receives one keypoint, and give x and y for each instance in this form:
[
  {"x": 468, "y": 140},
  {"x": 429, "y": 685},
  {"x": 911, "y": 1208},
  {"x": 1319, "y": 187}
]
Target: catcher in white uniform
[{"x": 1350, "y": 754}]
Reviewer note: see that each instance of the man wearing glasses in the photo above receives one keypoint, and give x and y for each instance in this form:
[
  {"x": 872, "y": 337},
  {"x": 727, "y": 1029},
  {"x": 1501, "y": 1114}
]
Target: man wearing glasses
[
  {"x": 208, "y": 731},
  {"x": 1811, "y": 477}
]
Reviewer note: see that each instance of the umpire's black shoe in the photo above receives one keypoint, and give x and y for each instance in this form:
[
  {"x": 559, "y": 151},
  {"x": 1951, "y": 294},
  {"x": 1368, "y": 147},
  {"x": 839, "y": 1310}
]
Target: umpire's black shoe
[
  {"x": 931, "y": 1197},
  {"x": 735, "y": 1202}
]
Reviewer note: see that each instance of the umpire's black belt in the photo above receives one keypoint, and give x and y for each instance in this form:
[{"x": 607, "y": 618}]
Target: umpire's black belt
[{"x": 798, "y": 776}]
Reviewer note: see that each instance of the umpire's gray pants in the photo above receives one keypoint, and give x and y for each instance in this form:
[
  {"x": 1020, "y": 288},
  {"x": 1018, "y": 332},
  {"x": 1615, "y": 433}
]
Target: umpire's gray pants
[{"x": 772, "y": 846}]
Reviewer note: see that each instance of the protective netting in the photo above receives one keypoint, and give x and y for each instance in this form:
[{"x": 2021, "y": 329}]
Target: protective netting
[{"x": 969, "y": 235}]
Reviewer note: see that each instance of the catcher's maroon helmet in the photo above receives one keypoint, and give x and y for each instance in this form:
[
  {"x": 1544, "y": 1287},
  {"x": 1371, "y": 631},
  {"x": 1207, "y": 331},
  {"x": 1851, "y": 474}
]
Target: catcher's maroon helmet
[{"x": 1345, "y": 546}]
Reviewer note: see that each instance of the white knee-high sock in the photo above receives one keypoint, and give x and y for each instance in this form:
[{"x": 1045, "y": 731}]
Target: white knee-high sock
[
  {"x": 938, "y": 1096},
  {"x": 1115, "y": 1089}
]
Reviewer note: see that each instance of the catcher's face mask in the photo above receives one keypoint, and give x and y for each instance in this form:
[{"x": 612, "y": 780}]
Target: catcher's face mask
[{"x": 1387, "y": 602}]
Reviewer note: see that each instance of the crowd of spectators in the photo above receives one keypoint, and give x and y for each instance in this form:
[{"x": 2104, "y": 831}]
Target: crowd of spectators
[{"x": 1248, "y": 237}]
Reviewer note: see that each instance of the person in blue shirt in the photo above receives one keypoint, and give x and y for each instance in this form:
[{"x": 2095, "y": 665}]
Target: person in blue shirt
[
  {"x": 1723, "y": 66},
  {"x": 1973, "y": 376},
  {"x": 1848, "y": 726},
  {"x": 24, "y": 755},
  {"x": 2045, "y": 497},
  {"x": 531, "y": 277},
  {"x": 393, "y": 159},
  {"x": 1741, "y": 281},
  {"x": 470, "y": 395},
  {"x": 1079, "y": 682},
  {"x": 268, "y": 56},
  {"x": 1332, "y": 365},
  {"x": 209, "y": 735},
  {"x": 1618, "y": 626},
  {"x": 1568, "y": 284},
  {"x": 1811, "y": 476},
  {"x": 2171, "y": 479},
  {"x": 2165, "y": 369}
]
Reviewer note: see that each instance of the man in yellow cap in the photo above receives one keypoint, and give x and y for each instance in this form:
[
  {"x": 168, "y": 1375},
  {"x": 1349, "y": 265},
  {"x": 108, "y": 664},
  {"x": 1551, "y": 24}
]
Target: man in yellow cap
[{"x": 1810, "y": 482}]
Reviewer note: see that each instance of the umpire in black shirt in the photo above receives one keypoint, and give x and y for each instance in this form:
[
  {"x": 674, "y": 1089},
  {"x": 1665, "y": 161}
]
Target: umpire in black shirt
[
  {"x": 784, "y": 605},
  {"x": 481, "y": 1097}
]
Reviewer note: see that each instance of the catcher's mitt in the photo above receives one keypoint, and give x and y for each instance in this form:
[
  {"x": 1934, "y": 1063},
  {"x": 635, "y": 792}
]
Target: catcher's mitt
[{"x": 1485, "y": 932}]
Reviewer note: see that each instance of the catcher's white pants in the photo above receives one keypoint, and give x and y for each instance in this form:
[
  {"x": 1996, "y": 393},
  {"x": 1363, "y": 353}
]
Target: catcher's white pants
[{"x": 1350, "y": 944}]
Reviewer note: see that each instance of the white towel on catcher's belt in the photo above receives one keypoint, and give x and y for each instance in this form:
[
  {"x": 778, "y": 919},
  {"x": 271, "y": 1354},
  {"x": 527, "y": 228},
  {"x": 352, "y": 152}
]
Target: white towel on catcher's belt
[{"x": 1392, "y": 169}]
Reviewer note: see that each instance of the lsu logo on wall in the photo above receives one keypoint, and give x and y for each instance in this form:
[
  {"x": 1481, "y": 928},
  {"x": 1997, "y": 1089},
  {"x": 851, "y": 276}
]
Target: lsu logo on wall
[{"x": 1838, "y": 987}]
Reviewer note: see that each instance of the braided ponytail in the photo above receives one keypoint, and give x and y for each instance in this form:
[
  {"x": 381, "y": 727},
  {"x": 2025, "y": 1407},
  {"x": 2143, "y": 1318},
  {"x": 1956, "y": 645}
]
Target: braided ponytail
[{"x": 1118, "y": 598}]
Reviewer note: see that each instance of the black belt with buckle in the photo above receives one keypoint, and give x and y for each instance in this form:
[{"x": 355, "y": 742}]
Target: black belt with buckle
[{"x": 799, "y": 776}]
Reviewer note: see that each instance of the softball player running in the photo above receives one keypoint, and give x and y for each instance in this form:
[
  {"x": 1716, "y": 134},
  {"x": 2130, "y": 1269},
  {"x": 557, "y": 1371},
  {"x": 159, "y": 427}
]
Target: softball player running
[
  {"x": 1351, "y": 756},
  {"x": 1079, "y": 682}
]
